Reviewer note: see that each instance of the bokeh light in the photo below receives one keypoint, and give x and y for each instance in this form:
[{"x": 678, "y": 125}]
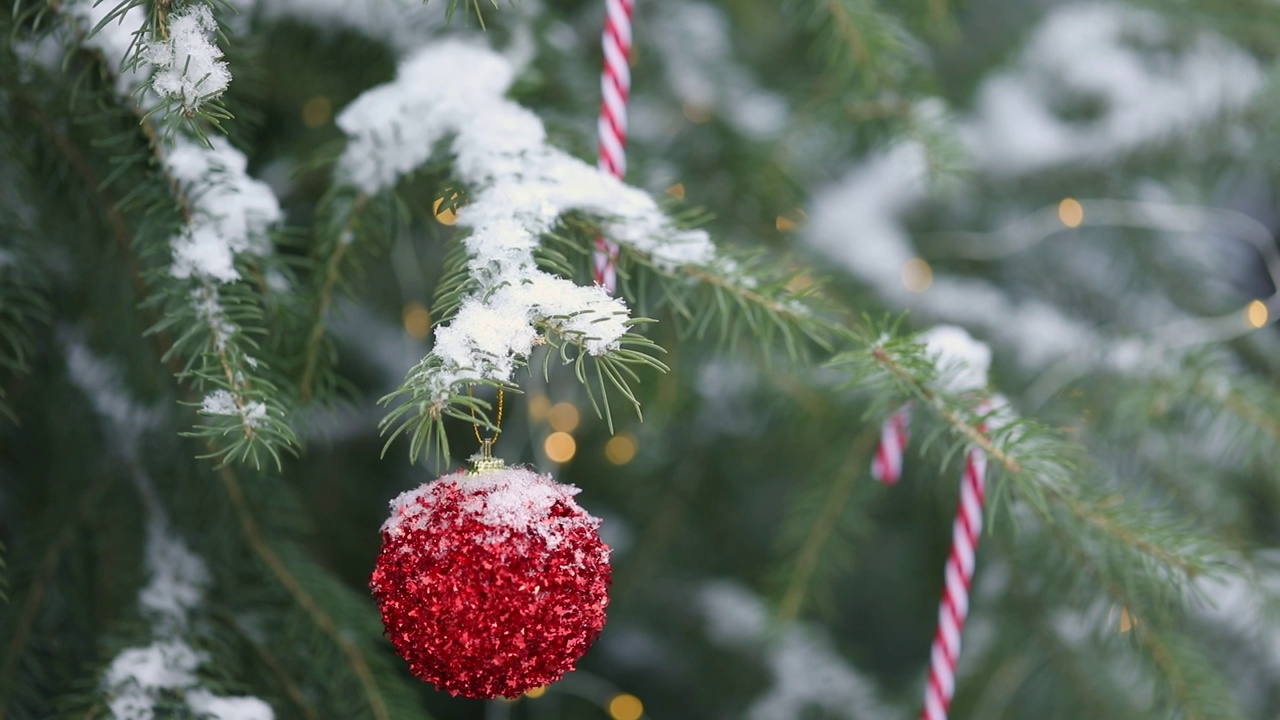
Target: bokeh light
[
  {"x": 1256, "y": 314},
  {"x": 917, "y": 275},
  {"x": 621, "y": 449},
  {"x": 1071, "y": 212},
  {"x": 417, "y": 320},
  {"x": 625, "y": 707},
  {"x": 564, "y": 417},
  {"x": 560, "y": 447}
]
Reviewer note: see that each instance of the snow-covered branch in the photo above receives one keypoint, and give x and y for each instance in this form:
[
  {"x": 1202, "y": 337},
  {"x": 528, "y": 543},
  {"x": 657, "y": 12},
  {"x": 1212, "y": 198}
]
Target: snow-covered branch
[{"x": 518, "y": 188}]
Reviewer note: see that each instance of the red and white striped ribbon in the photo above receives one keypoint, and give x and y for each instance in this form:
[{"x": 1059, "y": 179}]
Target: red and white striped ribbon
[
  {"x": 886, "y": 466},
  {"x": 958, "y": 575},
  {"x": 615, "y": 89},
  {"x": 954, "y": 608}
]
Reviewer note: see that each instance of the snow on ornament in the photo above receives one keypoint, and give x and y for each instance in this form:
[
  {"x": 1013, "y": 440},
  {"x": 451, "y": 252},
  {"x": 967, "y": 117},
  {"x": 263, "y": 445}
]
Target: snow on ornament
[{"x": 491, "y": 583}]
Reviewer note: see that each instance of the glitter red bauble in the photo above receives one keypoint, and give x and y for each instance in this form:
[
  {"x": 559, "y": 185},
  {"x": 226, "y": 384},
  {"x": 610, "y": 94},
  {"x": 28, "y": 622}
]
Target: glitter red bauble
[{"x": 491, "y": 584}]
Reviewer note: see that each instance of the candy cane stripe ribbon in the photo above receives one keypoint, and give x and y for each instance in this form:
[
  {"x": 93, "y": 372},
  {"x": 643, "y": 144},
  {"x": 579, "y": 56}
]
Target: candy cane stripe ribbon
[
  {"x": 954, "y": 608},
  {"x": 615, "y": 90},
  {"x": 886, "y": 466},
  {"x": 958, "y": 574}
]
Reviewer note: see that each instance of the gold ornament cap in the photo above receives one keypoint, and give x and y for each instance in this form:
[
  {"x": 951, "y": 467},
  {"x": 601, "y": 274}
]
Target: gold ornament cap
[{"x": 484, "y": 461}]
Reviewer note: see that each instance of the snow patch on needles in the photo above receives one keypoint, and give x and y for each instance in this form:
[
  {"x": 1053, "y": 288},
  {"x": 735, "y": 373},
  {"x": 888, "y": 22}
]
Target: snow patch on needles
[
  {"x": 859, "y": 221},
  {"x": 519, "y": 186},
  {"x": 114, "y": 40},
  {"x": 1089, "y": 51},
  {"x": 222, "y": 402},
  {"x": 178, "y": 577},
  {"x": 963, "y": 361},
  {"x": 187, "y": 64},
  {"x": 140, "y": 678},
  {"x": 231, "y": 212},
  {"x": 807, "y": 671}
]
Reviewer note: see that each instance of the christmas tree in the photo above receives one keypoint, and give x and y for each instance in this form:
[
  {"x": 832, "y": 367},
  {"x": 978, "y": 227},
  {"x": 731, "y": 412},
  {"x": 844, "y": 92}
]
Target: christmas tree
[{"x": 911, "y": 360}]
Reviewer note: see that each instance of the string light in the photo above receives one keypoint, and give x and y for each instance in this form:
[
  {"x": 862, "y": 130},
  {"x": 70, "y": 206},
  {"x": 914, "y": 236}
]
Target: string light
[
  {"x": 317, "y": 111},
  {"x": 676, "y": 191},
  {"x": 560, "y": 447},
  {"x": 621, "y": 449},
  {"x": 564, "y": 417},
  {"x": 1071, "y": 212},
  {"x": 917, "y": 275},
  {"x": 1256, "y": 314},
  {"x": 624, "y": 706},
  {"x": 417, "y": 320}
]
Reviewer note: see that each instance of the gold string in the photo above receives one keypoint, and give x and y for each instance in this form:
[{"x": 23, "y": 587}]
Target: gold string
[{"x": 486, "y": 444}]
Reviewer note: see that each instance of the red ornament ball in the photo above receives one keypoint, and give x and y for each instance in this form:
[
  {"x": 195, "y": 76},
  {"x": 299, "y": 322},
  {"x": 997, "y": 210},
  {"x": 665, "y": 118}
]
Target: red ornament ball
[{"x": 491, "y": 584}]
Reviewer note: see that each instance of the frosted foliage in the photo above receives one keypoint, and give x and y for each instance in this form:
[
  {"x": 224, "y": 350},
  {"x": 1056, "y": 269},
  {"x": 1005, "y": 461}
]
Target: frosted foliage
[
  {"x": 100, "y": 381},
  {"x": 963, "y": 361},
  {"x": 222, "y": 402},
  {"x": 114, "y": 40},
  {"x": 519, "y": 187},
  {"x": 807, "y": 672},
  {"x": 178, "y": 577},
  {"x": 137, "y": 675},
  {"x": 508, "y": 500},
  {"x": 1247, "y": 607},
  {"x": 230, "y": 211},
  {"x": 693, "y": 41},
  {"x": 209, "y": 309},
  {"x": 403, "y": 24},
  {"x": 1088, "y": 51},
  {"x": 858, "y": 221},
  {"x": 228, "y": 708},
  {"x": 187, "y": 63}
]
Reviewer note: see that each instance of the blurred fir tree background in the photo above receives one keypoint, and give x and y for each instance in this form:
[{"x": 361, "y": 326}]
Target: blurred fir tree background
[{"x": 1089, "y": 188}]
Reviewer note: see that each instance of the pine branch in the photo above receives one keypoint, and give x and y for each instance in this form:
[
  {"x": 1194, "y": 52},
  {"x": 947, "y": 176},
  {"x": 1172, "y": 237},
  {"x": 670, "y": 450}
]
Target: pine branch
[
  {"x": 823, "y": 527},
  {"x": 1039, "y": 464},
  {"x": 860, "y": 42},
  {"x": 739, "y": 297},
  {"x": 213, "y": 339},
  {"x": 470, "y": 7},
  {"x": 276, "y": 665},
  {"x": 337, "y": 252},
  {"x": 33, "y": 597},
  {"x": 262, "y": 548}
]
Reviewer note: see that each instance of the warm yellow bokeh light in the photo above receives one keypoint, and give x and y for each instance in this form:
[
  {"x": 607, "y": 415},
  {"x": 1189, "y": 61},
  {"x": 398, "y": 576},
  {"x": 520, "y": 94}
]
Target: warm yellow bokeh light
[
  {"x": 1256, "y": 314},
  {"x": 539, "y": 407},
  {"x": 790, "y": 222},
  {"x": 1071, "y": 212},
  {"x": 676, "y": 191},
  {"x": 560, "y": 447},
  {"x": 564, "y": 417},
  {"x": 317, "y": 111},
  {"x": 417, "y": 320},
  {"x": 1126, "y": 621},
  {"x": 446, "y": 216},
  {"x": 917, "y": 275},
  {"x": 626, "y": 707},
  {"x": 536, "y": 692},
  {"x": 621, "y": 449}
]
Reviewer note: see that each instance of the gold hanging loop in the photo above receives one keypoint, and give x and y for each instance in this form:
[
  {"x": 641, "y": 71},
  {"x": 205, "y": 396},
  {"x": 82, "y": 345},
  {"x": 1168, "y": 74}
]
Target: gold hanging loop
[{"x": 485, "y": 460}]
